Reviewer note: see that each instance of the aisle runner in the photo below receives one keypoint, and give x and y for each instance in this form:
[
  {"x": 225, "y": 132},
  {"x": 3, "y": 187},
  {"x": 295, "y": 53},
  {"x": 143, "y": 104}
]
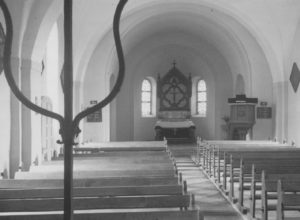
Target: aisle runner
[{"x": 207, "y": 197}]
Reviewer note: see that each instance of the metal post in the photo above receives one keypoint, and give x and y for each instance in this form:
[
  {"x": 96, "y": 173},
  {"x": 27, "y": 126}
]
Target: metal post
[{"x": 68, "y": 136}]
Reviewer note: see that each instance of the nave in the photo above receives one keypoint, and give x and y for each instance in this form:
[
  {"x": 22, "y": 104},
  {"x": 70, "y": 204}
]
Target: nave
[{"x": 121, "y": 166}]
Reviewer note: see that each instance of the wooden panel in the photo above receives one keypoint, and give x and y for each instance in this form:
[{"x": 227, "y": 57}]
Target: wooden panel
[
  {"x": 88, "y": 182},
  {"x": 90, "y": 174},
  {"x": 92, "y": 191},
  {"x": 266, "y": 155},
  {"x": 137, "y": 215},
  {"x": 242, "y": 113},
  {"x": 264, "y": 112},
  {"x": 7, "y": 205},
  {"x": 291, "y": 200},
  {"x": 103, "y": 154},
  {"x": 288, "y": 185},
  {"x": 108, "y": 166}
]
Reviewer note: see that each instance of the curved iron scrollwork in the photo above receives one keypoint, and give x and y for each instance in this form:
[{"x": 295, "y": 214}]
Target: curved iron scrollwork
[
  {"x": 8, "y": 73},
  {"x": 68, "y": 126},
  {"x": 2, "y": 43}
]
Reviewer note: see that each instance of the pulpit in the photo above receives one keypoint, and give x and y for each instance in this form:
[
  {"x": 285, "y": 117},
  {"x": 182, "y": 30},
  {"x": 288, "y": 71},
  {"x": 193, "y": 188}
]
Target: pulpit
[
  {"x": 242, "y": 117},
  {"x": 174, "y": 116}
]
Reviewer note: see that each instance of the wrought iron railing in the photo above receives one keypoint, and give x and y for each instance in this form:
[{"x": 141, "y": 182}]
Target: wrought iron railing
[{"x": 69, "y": 126}]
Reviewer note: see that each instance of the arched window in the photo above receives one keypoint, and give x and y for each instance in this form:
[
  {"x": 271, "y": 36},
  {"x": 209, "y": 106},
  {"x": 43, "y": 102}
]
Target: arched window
[
  {"x": 147, "y": 98},
  {"x": 201, "y": 98}
]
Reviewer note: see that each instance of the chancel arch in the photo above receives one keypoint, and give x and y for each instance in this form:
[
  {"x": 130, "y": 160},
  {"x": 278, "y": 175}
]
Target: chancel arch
[{"x": 147, "y": 26}]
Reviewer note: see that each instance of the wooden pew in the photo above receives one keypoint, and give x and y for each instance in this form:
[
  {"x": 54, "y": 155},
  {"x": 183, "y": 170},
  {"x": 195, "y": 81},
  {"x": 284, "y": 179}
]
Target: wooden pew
[
  {"x": 130, "y": 153},
  {"x": 214, "y": 156},
  {"x": 133, "y": 190},
  {"x": 231, "y": 165},
  {"x": 89, "y": 182},
  {"x": 110, "y": 165},
  {"x": 20, "y": 199},
  {"x": 94, "y": 197},
  {"x": 288, "y": 201},
  {"x": 124, "y": 165},
  {"x": 136, "y": 215},
  {"x": 124, "y": 202},
  {"x": 219, "y": 161},
  {"x": 231, "y": 159},
  {"x": 140, "y": 201},
  {"x": 97, "y": 147},
  {"x": 96, "y": 173},
  {"x": 255, "y": 167},
  {"x": 269, "y": 188}
]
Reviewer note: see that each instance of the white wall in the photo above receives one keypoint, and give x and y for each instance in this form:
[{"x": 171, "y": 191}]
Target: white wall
[
  {"x": 5, "y": 123},
  {"x": 292, "y": 101}
]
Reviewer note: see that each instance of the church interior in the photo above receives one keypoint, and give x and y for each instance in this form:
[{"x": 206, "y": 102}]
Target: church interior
[{"x": 209, "y": 102}]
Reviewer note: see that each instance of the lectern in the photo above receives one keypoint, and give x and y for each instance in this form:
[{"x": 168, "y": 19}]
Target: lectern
[{"x": 242, "y": 116}]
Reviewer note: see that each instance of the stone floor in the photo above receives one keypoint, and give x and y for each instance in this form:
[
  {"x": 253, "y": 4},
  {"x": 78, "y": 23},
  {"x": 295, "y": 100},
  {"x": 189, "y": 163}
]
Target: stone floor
[{"x": 207, "y": 196}]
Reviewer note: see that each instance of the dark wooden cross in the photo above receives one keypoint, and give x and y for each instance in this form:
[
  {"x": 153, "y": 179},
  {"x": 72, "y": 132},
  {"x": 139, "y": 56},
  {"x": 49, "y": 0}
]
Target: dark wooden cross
[
  {"x": 174, "y": 63},
  {"x": 174, "y": 93}
]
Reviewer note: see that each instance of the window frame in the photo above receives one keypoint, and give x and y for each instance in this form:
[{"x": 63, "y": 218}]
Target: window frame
[
  {"x": 150, "y": 91},
  {"x": 198, "y": 92}
]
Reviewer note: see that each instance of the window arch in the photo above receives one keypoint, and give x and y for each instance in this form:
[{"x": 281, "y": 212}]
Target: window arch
[
  {"x": 201, "y": 98},
  {"x": 147, "y": 93}
]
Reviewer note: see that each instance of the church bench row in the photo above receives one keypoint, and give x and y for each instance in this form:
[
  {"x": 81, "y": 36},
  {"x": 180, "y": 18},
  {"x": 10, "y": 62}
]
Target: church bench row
[
  {"x": 90, "y": 203},
  {"x": 240, "y": 142},
  {"x": 96, "y": 173},
  {"x": 148, "y": 201},
  {"x": 211, "y": 155},
  {"x": 240, "y": 168},
  {"x": 255, "y": 168},
  {"x": 259, "y": 154},
  {"x": 133, "y": 190},
  {"x": 222, "y": 156},
  {"x": 136, "y": 215},
  {"x": 115, "y": 159},
  {"x": 103, "y": 154},
  {"x": 176, "y": 197},
  {"x": 126, "y": 145},
  {"x": 108, "y": 166},
  {"x": 269, "y": 187},
  {"x": 257, "y": 165},
  {"x": 90, "y": 198},
  {"x": 235, "y": 145},
  {"x": 219, "y": 160},
  {"x": 89, "y": 182},
  {"x": 161, "y": 196},
  {"x": 94, "y": 148},
  {"x": 288, "y": 193},
  {"x": 124, "y": 165},
  {"x": 106, "y": 169}
]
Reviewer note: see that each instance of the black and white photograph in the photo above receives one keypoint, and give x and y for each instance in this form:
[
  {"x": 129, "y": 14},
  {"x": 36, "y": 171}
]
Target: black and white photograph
[{"x": 149, "y": 110}]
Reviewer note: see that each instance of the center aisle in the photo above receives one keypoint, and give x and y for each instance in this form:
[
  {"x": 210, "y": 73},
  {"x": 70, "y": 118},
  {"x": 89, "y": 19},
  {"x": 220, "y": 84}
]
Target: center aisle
[{"x": 207, "y": 197}]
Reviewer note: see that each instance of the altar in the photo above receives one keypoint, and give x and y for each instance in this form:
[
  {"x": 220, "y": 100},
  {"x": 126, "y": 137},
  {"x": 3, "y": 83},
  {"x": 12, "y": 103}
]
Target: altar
[
  {"x": 175, "y": 130},
  {"x": 174, "y": 115}
]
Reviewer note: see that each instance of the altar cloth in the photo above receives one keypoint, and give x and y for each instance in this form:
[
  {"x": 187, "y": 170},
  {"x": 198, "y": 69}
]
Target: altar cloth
[{"x": 174, "y": 124}]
